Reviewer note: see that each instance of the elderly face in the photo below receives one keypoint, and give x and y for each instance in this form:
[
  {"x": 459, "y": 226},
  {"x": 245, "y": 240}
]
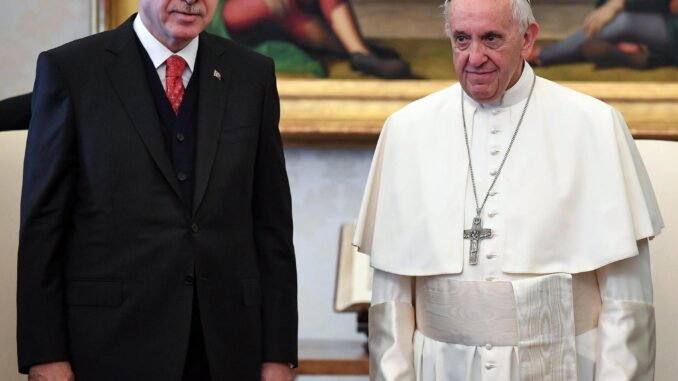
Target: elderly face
[
  {"x": 176, "y": 22},
  {"x": 488, "y": 47}
]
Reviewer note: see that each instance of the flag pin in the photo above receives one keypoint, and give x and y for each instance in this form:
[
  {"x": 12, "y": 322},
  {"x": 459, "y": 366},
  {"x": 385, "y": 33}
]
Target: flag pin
[{"x": 217, "y": 75}]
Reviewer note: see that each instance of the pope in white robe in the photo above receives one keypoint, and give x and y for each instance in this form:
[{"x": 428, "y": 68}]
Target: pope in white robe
[{"x": 561, "y": 289}]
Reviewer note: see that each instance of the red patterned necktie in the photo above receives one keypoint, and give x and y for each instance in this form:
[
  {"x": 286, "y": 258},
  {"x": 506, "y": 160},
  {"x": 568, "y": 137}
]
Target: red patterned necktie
[{"x": 174, "y": 82}]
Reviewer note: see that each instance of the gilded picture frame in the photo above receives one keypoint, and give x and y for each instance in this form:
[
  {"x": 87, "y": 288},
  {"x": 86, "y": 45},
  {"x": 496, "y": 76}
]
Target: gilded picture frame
[{"x": 344, "y": 113}]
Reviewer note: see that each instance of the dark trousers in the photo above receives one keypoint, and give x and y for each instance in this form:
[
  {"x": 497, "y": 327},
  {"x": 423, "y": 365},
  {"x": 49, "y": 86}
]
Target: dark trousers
[{"x": 197, "y": 367}]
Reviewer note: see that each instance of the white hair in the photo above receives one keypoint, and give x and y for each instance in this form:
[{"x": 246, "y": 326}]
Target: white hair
[{"x": 522, "y": 14}]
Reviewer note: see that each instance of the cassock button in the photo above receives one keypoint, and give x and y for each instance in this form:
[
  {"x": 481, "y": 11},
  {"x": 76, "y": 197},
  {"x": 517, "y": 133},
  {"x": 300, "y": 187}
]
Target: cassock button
[
  {"x": 181, "y": 176},
  {"x": 492, "y": 214},
  {"x": 494, "y": 151},
  {"x": 493, "y": 172},
  {"x": 189, "y": 280},
  {"x": 494, "y": 131},
  {"x": 489, "y": 366},
  {"x": 488, "y": 347},
  {"x": 491, "y": 256},
  {"x": 181, "y": 137},
  {"x": 493, "y": 193},
  {"x": 490, "y": 278}
]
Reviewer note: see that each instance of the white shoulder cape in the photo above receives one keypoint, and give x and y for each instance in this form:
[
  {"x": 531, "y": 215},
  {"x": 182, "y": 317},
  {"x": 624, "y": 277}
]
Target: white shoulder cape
[{"x": 578, "y": 191}]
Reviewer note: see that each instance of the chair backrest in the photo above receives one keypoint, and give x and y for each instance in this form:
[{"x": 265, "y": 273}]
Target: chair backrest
[
  {"x": 12, "y": 146},
  {"x": 661, "y": 161}
]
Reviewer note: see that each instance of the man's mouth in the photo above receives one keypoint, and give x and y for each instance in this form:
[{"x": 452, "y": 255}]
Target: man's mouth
[
  {"x": 186, "y": 17},
  {"x": 480, "y": 72},
  {"x": 186, "y": 13}
]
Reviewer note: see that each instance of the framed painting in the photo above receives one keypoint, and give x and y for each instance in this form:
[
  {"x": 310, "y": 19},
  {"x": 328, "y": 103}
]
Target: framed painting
[{"x": 337, "y": 86}]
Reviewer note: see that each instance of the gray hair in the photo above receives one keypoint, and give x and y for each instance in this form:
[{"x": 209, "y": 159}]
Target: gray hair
[{"x": 522, "y": 14}]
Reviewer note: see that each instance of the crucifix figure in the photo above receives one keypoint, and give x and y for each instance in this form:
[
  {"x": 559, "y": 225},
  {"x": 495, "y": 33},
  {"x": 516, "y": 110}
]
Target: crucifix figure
[{"x": 476, "y": 234}]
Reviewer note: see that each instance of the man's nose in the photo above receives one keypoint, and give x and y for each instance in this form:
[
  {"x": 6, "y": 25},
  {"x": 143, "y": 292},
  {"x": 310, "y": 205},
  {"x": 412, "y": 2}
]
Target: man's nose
[{"x": 477, "y": 55}]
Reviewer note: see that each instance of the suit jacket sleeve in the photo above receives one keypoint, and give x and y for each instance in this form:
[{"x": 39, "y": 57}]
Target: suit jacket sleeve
[
  {"x": 272, "y": 210},
  {"x": 15, "y": 113},
  {"x": 46, "y": 203}
]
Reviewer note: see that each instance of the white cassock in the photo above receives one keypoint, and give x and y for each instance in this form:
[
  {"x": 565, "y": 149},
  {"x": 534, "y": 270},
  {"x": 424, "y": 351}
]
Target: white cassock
[{"x": 562, "y": 290}]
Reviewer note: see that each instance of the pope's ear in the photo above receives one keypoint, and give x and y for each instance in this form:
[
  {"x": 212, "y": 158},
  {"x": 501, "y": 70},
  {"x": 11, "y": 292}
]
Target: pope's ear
[{"x": 529, "y": 37}]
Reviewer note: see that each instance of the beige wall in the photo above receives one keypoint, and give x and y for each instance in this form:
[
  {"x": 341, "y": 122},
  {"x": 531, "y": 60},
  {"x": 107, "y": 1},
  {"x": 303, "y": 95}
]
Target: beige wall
[{"x": 31, "y": 26}]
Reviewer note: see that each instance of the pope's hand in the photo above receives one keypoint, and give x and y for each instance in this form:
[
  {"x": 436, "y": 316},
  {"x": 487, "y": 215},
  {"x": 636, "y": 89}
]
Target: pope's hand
[
  {"x": 600, "y": 17},
  {"x": 53, "y": 371},
  {"x": 674, "y": 7},
  {"x": 274, "y": 371}
]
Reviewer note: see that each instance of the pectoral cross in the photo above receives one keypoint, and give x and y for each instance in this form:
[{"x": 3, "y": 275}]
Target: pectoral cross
[{"x": 476, "y": 234}]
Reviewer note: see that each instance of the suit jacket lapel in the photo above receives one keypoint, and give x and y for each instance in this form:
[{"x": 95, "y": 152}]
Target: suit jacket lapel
[
  {"x": 214, "y": 79},
  {"x": 126, "y": 72}
]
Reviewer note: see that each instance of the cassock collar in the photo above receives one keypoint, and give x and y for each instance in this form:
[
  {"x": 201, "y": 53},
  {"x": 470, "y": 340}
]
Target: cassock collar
[
  {"x": 514, "y": 95},
  {"x": 159, "y": 52}
]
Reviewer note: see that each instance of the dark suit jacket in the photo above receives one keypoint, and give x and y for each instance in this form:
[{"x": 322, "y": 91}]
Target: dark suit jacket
[
  {"x": 15, "y": 113},
  {"x": 108, "y": 251}
]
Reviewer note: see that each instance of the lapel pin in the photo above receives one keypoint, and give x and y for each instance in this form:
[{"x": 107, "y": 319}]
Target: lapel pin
[{"x": 217, "y": 75}]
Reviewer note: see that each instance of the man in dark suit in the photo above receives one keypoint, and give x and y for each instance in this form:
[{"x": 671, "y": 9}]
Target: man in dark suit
[{"x": 156, "y": 231}]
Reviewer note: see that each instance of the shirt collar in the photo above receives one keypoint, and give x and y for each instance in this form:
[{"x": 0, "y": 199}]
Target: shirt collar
[
  {"x": 514, "y": 95},
  {"x": 159, "y": 52}
]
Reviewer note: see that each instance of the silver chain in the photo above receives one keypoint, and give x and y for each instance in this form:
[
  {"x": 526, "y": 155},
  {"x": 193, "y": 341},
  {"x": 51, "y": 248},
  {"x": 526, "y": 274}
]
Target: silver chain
[{"x": 508, "y": 150}]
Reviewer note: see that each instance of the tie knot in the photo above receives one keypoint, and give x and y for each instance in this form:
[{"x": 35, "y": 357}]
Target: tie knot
[{"x": 175, "y": 66}]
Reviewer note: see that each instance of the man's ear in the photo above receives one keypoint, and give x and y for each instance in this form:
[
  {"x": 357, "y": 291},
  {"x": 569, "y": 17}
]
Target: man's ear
[{"x": 529, "y": 37}]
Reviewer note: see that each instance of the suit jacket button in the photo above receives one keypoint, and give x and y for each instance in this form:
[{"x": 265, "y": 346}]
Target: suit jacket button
[
  {"x": 189, "y": 280},
  {"x": 181, "y": 137},
  {"x": 181, "y": 176},
  {"x": 195, "y": 228}
]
